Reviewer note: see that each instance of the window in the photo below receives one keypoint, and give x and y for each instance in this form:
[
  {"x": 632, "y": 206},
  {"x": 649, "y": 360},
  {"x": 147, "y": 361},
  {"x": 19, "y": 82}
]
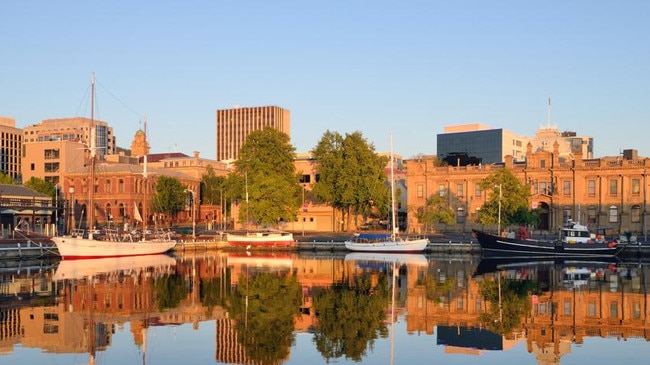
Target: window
[
  {"x": 591, "y": 188},
  {"x": 635, "y": 214},
  {"x": 51, "y": 154},
  {"x": 613, "y": 187},
  {"x": 542, "y": 163},
  {"x": 442, "y": 191},
  {"x": 636, "y": 187},
  {"x": 107, "y": 186},
  {"x": 591, "y": 214},
  {"x": 477, "y": 190},
  {"x": 566, "y": 188},
  {"x": 591, "y": 309},
  {"x": 567, "y": 307},
  {"x": 566, "y": 214},
  {"x": 460, "y": 215},
  {"x": 613, "y": 214},
  {"x": 613, "y": 310},
  {"x": 51, "y": 167},
  {"x": 542, "y": 188},
  {"x": 120, "y": 186},
  {"x": 460, "y": 189},
  {"x": 420, "y": 189}
]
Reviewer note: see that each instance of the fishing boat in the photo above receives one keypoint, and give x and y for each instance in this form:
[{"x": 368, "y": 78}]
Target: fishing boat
[
  {"x": 91, "y": 243},
  {"x": 574, "y": 240},
  {"x": 387, "y": 242}
]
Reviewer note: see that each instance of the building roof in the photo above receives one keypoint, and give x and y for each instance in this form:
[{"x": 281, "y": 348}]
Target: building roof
[
  {"x": 19, "y": 190},
  {"x": 129, "y": 169},
  {"x": 157, "y": 157}
]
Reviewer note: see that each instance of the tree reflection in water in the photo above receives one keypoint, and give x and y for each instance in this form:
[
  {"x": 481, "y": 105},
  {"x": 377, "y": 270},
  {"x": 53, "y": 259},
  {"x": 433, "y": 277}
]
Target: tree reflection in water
[
  {"x": 170, "y": 290},
  {"x": 510, "y": 302},
  {"x": 264, "y": 307},
  {"x": 351, "y": 316}
]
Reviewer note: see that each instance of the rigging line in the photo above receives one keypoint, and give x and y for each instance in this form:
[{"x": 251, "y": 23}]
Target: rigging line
[
  {"x": 120, "y": 101},
  {"x": 84, "y": 100}
]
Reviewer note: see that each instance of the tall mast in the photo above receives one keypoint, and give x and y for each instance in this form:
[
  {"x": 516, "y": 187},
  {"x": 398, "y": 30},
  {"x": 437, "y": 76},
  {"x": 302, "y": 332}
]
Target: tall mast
[
  {"x": 144, "y": 198},
  {"x": 392, "y": 189},
  {"x": 92, "y": 146}
]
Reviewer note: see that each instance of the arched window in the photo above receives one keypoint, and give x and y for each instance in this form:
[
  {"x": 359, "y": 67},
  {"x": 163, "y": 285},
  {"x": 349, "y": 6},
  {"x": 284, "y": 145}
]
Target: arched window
[
  {"x": 122, "y": 212},
  {"x": 460, "y": 215},
  {"x": 613, "y": 214},
  {"x": 109, "y": 213},
  {"x": 120, "y": 185}
]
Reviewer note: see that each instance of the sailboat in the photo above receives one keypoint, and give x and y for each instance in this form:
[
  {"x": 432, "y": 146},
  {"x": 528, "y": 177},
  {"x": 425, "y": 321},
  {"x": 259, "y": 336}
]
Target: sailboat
[
  {"x": 393, "y": 241},
  {"x": 259, "y": 237},
  {"x": 83, "y": 245}
]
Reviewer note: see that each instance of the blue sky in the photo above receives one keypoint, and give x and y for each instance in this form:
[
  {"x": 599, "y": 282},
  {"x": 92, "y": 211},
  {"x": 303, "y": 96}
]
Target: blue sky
[{"x": 403, "y": 67}]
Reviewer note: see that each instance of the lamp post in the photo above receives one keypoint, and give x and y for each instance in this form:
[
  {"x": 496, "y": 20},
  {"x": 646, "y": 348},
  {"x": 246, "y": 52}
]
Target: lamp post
[
  {"x": 193, "y": 218},
  {"x": 499, "y": 219},
  {"x": 303, "y": 209},
  {"x": 71, "y": 191}
]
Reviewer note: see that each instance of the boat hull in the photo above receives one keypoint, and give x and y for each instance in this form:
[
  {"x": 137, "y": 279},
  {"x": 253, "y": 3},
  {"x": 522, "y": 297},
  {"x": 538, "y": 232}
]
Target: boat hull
[
  {"x": 496, "y": 245},
  {"x": 413, "y": 245},
  {"x": 83, "y": 248},
  {"x": 261, "y": 239}
]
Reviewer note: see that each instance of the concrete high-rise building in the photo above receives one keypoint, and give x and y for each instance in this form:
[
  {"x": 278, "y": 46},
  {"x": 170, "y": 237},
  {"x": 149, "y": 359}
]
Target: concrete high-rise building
[
  {"x": 10, "y": 147},
  {"x": 55, "y": 146},
  {"x": 234, "y": 125}
]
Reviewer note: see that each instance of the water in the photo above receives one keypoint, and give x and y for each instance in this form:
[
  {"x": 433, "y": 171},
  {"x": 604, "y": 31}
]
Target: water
[{"x": 221, "y": 308}]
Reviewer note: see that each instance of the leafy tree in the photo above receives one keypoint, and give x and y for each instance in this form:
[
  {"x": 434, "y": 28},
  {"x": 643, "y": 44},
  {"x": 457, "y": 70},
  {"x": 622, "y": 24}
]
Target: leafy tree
[
  {"x": 352, "y": 177},
  {"x": 212, "y": 187},
  {"x": 265, "y": 165},
  {"x": 170, "y": 196},
  {"x": 169, "y": 291},
  {"x": 6, "y": 179},
  {"x": 509, "y": 303},
  {"x": 515, "y": 198},
  {"x": 435, "y": 210},
  {"x": 264, "y": 308},
  {"x": 42, "y": 186},
  {"x": 351, "y": 316}
]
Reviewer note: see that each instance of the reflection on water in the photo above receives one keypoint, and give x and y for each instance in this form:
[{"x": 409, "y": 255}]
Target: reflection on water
[{"x": 257, "y": 303}]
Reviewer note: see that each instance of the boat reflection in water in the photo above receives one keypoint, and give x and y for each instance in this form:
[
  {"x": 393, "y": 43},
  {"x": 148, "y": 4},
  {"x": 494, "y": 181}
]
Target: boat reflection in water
[{"x": 282, "y": 308}]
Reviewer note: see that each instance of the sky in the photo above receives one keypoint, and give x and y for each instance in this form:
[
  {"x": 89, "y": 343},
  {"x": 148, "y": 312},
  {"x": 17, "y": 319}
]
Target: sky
[{"x": 400, "y": 68}]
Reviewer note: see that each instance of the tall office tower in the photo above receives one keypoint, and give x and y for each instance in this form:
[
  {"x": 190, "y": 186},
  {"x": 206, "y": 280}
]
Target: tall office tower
[
  {"x": 10, "y": 147},
  {"x": 234, "y": 125}
]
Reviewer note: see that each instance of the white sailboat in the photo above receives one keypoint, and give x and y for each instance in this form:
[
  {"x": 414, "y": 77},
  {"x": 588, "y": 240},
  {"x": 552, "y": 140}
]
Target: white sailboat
[
  {"x": 392, "y": 242},
  {"x": 82, "y": 245}
]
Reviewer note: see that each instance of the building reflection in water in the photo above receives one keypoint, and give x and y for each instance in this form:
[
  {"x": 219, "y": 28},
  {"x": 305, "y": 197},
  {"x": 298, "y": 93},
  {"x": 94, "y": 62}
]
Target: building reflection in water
[{"x": 469, "y": 305}]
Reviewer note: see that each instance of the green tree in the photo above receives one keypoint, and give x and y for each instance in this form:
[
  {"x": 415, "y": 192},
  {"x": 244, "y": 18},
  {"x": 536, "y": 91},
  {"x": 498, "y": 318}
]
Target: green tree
[
  {"x": 264, "y": 308},
  {"x": 352, "y": 177},
  {"x": 42, "y": 186},
  {"x": 6, "y": 179},
  {"x": 271, "y": 186},
  {"x": 212, "y": 187},
  {"x": 435, "y": 210},
  {"x": 169, "y": 197},
  {"x": 514, "y": 196},
  {"x": 169, "y": 291},
  {"x": 351, "y": 316},
  {"x": 509, "y": 302}
]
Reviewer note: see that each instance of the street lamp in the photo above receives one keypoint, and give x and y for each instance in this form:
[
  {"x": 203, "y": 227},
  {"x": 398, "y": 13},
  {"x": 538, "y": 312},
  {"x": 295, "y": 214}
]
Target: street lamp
[
  {"x": 71, "y": 191},
  {"x": 499, "y": 221},
  {"x": 303, "y": 209},
  {"x": 193, "y": 218}
]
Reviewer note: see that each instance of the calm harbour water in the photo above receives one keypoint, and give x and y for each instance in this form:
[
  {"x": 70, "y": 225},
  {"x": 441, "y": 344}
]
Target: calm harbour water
[{"x": 239, "y": 308}]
